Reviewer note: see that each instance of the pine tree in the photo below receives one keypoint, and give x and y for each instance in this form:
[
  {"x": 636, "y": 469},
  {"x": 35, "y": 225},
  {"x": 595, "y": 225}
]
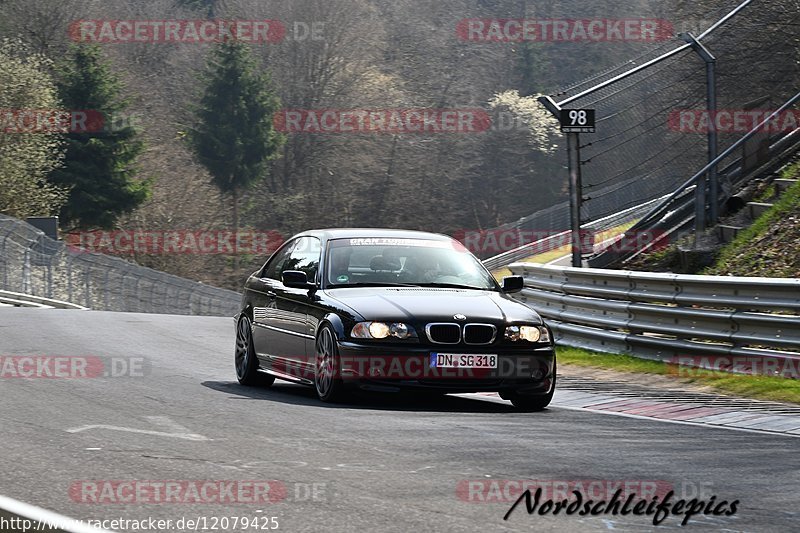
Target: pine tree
[
  {"x": 234, "y": 137},
  {"x": 99, "y": 167}
]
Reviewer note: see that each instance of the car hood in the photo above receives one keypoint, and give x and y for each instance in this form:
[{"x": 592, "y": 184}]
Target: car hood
[{"x": 411, "y": 304}]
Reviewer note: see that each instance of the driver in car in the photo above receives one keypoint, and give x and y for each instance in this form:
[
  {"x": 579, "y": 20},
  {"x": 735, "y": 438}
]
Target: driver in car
[{"x": 422, "y": 268}]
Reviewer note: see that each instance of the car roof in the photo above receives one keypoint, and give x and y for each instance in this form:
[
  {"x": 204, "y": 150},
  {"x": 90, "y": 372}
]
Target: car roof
[{"x": 359, "y": 233}]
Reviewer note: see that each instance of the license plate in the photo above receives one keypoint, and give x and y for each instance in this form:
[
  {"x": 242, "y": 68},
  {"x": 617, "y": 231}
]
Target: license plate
[{"x": 458, "y": 360}]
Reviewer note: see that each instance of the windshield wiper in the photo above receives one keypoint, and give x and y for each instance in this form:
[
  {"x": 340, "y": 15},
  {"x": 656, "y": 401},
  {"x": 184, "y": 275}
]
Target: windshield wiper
[
  {"x": 455, "y": 286},
  {"x": 371, "y": 284}
]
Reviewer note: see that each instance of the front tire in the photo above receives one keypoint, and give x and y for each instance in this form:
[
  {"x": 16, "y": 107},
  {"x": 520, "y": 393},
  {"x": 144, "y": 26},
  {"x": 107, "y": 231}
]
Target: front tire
[
  {"x": 245, "y": 357},
  {"x": 327, "y": 368},
  {"x": 533, "y": 403}
]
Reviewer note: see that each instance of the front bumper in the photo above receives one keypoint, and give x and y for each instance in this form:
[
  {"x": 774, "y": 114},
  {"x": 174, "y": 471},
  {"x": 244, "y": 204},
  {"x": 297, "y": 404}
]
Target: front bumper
[{"x": 390, "y": 368}]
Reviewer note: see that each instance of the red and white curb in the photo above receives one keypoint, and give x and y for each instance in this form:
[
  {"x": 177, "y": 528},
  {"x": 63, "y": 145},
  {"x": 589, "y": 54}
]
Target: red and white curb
[{"x": 695, "y": 413}]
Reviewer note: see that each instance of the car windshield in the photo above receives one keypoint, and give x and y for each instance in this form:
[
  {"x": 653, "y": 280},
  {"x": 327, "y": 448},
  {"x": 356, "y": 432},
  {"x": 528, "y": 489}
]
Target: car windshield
[{"x": 404, "y": 262}]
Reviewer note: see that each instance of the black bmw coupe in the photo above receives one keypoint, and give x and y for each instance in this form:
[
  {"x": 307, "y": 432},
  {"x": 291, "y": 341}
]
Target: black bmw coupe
[{"x": 386, "y": 310}]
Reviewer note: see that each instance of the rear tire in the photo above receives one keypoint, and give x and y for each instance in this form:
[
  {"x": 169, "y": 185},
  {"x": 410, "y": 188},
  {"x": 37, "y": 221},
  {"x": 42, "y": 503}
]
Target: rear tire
[
  {"x": 245, "y": 358},
  {"x": 327, "y": 368}
]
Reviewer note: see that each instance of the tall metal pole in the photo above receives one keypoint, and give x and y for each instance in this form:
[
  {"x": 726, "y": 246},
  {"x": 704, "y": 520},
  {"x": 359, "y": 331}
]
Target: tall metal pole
[
  {"x": 575, "y": 195},
  {"x": 575, "y": 185},
  {"x": 713, "y": 146}
]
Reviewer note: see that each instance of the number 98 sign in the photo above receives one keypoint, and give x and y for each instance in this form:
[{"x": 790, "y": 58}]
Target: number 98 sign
[{"x": 577, "y": 121}]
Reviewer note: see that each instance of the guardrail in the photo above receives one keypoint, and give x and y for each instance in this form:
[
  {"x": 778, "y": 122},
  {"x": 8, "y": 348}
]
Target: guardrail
[
  {"x": 665, "y": 316},
  {"x": 18, "y": 299}
]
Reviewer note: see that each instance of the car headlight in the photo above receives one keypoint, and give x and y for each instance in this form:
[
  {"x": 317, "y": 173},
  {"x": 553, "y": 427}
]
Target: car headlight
[
  {"x": 527, "y": 333},
  {"x": 382, "y": 330}
]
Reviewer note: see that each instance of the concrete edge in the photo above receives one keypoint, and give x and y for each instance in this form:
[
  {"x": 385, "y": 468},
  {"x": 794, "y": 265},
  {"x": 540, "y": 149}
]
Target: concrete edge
[{"x": 50, "y": 521}]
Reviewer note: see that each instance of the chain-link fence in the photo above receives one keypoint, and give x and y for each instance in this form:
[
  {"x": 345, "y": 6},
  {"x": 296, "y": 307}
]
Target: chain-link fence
[
  {"x": 32, "y": 263},
  {"x": 651, "y": 128},
  {"x": 652, "y": 124}
]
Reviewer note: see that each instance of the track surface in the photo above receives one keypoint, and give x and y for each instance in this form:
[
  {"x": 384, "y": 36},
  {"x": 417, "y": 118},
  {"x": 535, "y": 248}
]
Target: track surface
[{"x": 385, "y": 463}]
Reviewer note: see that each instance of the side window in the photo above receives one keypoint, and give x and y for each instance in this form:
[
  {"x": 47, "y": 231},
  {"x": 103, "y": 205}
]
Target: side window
[
  {"x": 304, "y": 256},
  {"x": 274, "y": 267}
]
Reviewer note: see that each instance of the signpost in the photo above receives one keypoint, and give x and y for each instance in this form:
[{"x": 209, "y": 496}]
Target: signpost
[
  {"x": 573, "y": 123},
  {"x": 577, "y": 121}
]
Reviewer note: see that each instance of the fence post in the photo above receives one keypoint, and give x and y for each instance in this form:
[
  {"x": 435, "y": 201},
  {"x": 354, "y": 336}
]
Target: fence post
[
  {"x": 86, "y": 286},
  {"x": 5, "y": 263},
  {"x": 69, "y": 276},
  {"x": 26, "y": 271},
  {"x": 713, "y": 143},
  {"x": 138, "y": 295},
  {"x": 50, "y": 277},
  {"x": 105, "y": 288}
]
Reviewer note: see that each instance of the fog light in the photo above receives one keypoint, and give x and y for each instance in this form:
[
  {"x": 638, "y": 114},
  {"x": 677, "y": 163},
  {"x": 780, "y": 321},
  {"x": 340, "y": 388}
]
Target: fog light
[
  {"x": 512, "y": 333},
  {"x": 399, "y": 330}
]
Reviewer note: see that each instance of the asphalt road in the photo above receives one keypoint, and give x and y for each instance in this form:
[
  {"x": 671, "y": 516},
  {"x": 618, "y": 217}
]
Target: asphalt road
[{"x": 384, "y": 463}]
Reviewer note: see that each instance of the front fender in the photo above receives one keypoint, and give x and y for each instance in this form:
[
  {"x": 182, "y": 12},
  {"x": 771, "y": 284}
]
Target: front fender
[{"x": 336, "y": 323}]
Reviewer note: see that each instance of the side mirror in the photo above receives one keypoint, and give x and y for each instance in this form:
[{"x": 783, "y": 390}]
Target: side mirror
[
  {"x": 297, "y": 279},
  {"x": 513, "y": 284}
]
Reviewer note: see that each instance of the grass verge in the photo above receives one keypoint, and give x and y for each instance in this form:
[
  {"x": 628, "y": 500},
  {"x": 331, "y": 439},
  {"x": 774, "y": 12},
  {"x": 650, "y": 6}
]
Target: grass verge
[{"x": 758, "y": 387}]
